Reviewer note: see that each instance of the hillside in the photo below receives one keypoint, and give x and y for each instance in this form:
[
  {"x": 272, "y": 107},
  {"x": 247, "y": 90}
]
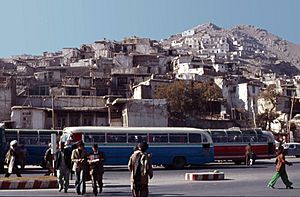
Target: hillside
[{"x": 267, "y": 51}]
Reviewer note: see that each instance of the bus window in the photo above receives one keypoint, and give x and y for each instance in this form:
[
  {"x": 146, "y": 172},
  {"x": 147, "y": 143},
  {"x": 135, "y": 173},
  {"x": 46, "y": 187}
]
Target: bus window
[
  {"x": 158, "y": 138},
  {"x": 234, "y": 136},
  {"x": 45, "y": 139},
  {"x": 11, "y": 135},
  {"x": 116, "y": 137},
  {"x": 262, "y": 138},
  {"x": 218, "y": 136},
  {"x": 195, "y": 138},
  {"x": 137, "y": 137},
  {"x": 178, "y": 137},
  {"x": 28, "y": 138},
  {"x": 94, "y": 138},
  {"x": 249, "y": 136}
]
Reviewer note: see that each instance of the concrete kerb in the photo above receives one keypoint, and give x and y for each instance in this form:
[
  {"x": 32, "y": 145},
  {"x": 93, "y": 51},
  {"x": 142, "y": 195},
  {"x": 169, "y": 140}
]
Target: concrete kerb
[
  {"x": 205, "y": 176},
  {"x": 28, "y": 183}
]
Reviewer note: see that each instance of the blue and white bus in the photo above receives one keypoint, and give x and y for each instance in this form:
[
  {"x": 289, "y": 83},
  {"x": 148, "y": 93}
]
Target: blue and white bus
[
  {"x": 170, "y": 146},
  {"x": 34, "y": 142}
]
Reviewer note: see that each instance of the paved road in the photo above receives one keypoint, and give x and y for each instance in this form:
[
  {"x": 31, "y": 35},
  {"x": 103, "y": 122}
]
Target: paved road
[{"x": 239, "y": 181}]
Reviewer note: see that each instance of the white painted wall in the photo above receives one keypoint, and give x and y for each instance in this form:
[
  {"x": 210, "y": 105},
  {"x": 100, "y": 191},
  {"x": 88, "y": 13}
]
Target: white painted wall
[
  {"x": 146, "y": 112},
  {"x": 37, "y": 118},
  {"x": 188, "y": 32}
]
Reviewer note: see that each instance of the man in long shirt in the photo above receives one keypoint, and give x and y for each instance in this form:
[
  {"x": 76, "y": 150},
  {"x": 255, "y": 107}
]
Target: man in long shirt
[
  {"x": 140, "y": 166},
  {"x": 79, "y": 158},
  {"x": 11, "y": 160}
]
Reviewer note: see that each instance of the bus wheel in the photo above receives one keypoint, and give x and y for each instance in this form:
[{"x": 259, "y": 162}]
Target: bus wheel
[{"x": 178, "y": 162}]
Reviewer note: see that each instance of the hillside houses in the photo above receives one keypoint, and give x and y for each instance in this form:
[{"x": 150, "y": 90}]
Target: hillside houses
[{"x": 113, "y": 83}]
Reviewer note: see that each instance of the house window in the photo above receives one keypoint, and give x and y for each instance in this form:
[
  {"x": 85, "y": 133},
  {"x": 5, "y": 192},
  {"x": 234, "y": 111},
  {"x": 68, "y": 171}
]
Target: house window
[
  {"x": 26, "y": 119},
  {"x": 50, "y": 75},
  {"x": 85, "y": 93},
  {"x": 61, "y": 122},
  {"x": 122, "y": 81},
  {"x": 71, "y": 91},
  {"x": 234, "y": 89},
  {"x": 87, "y": 122}
]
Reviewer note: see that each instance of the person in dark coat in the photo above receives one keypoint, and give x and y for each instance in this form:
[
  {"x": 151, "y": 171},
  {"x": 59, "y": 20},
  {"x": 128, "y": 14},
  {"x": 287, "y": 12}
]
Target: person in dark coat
[
  {"x": 48, "y": 160},
  {"x": 280, "y": 170},
  {"x": 96, "y": 168},
  {"x": 63, "y": 167},
  {"x": 140, "y": 166}
]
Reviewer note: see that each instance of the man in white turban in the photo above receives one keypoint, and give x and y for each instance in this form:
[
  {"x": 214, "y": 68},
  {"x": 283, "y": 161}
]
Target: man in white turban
[{"x": 11, "y": 159}]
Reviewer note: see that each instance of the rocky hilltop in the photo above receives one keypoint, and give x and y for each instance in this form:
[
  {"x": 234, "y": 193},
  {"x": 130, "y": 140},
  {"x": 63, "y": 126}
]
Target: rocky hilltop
[{"x": 254, "y": 46}]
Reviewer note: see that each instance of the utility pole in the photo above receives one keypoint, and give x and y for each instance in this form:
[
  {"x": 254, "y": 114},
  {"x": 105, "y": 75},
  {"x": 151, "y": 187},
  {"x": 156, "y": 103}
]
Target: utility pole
[
  {"x": 53, "y": 120},
  {"x": 253, "y": 112},
  {"x": 289, "y": 132}
]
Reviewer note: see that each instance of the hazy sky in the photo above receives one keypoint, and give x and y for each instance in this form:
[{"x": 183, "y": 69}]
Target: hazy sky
[{"x": 34, "y": 26}]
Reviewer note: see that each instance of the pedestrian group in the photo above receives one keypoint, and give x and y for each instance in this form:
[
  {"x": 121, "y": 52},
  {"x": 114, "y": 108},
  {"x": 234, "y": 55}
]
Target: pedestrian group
[{"x": 89, "y": 166}]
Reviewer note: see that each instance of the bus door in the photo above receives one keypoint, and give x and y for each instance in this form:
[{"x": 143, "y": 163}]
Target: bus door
[{"x": 206, "y": 145}]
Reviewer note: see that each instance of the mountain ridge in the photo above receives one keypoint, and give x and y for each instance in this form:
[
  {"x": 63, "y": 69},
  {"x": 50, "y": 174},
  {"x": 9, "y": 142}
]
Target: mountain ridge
[{"x": 272, "y": 45}]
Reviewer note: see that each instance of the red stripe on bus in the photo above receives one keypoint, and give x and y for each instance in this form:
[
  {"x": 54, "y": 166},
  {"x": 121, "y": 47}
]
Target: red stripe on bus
[{"x": 234, "y": 151}]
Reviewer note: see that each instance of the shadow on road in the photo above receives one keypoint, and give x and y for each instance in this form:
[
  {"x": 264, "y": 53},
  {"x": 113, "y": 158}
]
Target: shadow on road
[
  {"x": 106, "y": 185},
  {"x": 118, "y": 193},
  {"x": 165, "y": 195},
  {"x": 283, "y": 188}
]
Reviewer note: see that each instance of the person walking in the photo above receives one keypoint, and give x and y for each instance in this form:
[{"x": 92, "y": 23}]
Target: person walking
[
  {"x": 11, "y": 159},
  {"x": 63, "y": 167},
  {"x": 249, "y": 155},
  {"x": 280, "y": 170},
  {"x": 48, "y": 161},
  {"x": 96, "y": 169},
  {"x": 140, "y": 166},
  {"x": 79, "y": 158}
]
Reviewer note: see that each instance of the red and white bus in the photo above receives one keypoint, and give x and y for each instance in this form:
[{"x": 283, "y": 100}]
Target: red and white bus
[{"x": 230, "y": 144}]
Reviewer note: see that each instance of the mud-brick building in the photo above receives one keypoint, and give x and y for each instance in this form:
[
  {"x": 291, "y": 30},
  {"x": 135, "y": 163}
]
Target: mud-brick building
[{"x": 7, "y": 96}]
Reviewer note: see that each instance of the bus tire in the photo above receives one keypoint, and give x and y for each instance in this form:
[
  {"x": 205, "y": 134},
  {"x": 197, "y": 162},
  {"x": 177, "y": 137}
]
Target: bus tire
[{"x": 178, "y": 162}]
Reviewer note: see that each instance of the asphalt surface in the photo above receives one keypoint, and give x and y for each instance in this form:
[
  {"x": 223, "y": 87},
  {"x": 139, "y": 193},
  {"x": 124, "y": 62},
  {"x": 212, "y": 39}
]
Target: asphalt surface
[{"x": 239, "y": 181}]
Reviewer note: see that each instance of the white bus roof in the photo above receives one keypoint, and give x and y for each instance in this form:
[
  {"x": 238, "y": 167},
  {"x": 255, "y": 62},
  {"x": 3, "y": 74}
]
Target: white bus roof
[{"x": 92, "y": 129}]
